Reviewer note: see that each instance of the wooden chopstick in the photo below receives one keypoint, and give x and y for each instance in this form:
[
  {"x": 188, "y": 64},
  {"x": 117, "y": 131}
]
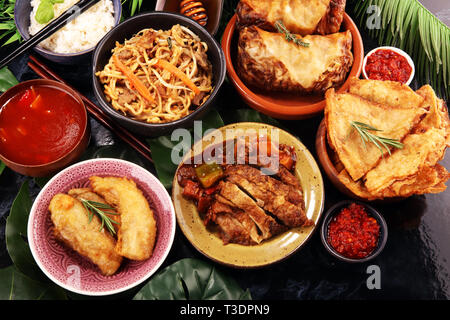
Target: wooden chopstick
[
  {"x": 49, "y": 29},
  {"x": 44, "y": 72}
]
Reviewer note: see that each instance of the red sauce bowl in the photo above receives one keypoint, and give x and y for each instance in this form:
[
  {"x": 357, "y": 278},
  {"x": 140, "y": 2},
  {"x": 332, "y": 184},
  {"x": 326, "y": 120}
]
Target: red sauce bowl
[
  {"x": 55, "y": 129},
  {"x": 372, "y": 213},
  {"x": 395, "y": 50}
]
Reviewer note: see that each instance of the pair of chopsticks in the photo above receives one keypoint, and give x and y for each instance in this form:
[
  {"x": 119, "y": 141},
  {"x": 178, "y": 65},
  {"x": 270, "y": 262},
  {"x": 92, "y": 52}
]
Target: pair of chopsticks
[
  {"x": 45, "y": 72},
  {"x": 49, "y": 29}
]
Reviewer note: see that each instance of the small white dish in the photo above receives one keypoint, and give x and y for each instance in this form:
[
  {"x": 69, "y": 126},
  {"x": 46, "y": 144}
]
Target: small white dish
[{"x": 397, "y": 50}]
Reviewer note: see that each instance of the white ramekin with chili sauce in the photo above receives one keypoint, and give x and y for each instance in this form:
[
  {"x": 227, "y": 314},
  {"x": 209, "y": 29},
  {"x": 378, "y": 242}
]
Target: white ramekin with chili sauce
[{"x": 388, "y": 63}]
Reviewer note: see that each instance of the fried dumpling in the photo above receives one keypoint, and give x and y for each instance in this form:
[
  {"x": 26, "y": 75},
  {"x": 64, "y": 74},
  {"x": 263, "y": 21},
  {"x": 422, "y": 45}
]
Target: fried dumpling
[
  {"x": 137, "y": 232},
  {"x": 299, "y": 16},
  {"x": 270, "y": 62},
  {"x": 343, "y": 108},
  {"x": 85, "y": 235}
]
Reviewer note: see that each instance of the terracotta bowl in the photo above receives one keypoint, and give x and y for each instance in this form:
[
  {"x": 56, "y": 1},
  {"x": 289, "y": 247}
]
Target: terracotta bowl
[
  {"x": 66, "y": 267},
  {"x": 324, "y": 153},
  {"x": 71, "y": 156},
  {"x": 281, "y": 105},
  {"x": 213, "y": 11}
]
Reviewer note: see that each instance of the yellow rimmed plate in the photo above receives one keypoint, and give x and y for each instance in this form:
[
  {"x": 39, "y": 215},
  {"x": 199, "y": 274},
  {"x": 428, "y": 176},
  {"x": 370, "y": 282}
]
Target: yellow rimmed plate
[{"x": 269, "y": 251}]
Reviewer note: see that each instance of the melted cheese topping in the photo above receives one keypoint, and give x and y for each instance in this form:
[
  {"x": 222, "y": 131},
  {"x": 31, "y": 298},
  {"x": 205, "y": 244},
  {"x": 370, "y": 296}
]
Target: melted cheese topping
[
  {"x": 299, "y": 16},
  {"x": 306, "y": 64}
]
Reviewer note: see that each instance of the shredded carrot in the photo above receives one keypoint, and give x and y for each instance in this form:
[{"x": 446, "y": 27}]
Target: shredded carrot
[
  {"x": 178, "y": 73},
  {"x": 37, "y": 102},
  {"x": 140, "y": 87}
]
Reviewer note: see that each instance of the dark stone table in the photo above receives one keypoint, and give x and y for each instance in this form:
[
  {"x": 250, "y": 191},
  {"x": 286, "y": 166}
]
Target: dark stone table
[{"x": 414, "y": 265}]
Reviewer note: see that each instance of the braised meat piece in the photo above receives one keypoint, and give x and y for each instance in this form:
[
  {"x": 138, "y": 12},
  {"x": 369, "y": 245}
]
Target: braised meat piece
[
  {"x": 266, "y": 224},
  {"x": 234, "y": 225},
  {"x": 246, "y": 203},
  {"x": 283, "y": 201}
]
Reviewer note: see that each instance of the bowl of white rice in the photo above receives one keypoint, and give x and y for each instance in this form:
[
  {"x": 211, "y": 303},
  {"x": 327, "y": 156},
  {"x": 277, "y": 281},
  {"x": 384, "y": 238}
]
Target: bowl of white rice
[{"x": 75, "y": 42}]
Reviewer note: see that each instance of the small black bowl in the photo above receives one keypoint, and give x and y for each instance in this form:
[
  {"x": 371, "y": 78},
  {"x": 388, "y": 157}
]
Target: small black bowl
[
  {"x": 22, "y": 10},
  {"x": 159, "y": 21},
  {"x": 334, "y": 210}
]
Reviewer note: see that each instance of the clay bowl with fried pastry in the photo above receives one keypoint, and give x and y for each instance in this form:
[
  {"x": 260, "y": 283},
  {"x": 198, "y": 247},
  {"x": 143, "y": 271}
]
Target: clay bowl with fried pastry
[{"x": 286, "y": 106}]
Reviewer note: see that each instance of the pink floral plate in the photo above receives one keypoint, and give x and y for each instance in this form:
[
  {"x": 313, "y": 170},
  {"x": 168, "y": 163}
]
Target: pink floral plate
[{"x": 70, "y": 270}]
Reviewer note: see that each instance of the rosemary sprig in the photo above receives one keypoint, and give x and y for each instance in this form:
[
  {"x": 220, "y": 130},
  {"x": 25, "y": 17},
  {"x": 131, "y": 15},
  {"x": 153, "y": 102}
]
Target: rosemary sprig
[
  {"x": 288, "y": 35},
  {"x": 380, "y": 142},
  {"x": 94, "y": 207}
]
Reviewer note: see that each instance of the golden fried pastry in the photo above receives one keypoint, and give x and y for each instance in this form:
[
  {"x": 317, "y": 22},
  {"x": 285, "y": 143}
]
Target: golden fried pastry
[
  {"x": 72, "y": 226},
  {"x": 137, "y": 232},
  {"x": 270, "y": 62},
  {"x": 300, "y": 16},
  {"x": 418, "y": 120},
  {"x": 88, "y": 194},
  {"x": 357, "y": 157},
  {"x": 389, "y": 93},
  {"x": 419, "y": 151}
]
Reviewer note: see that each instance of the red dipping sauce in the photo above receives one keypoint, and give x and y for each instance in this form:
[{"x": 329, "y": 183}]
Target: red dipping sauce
[
  {"x": 385, "y": 64},
  {"x": 40, "y": 124},
  {"x": 353, "y": 233}
]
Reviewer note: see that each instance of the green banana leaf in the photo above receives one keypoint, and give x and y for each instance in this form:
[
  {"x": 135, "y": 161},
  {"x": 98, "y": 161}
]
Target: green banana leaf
[
  {"x": 7, "y": 79},
  {"x": 2, "y": 167},
  {"x": 118, "y": 151},
  {"x": 17, "y": 286},
  {"x": 162, "y": 147},
  {"x": 16, "y": 235},
  {"x": 192, "y": 279}
]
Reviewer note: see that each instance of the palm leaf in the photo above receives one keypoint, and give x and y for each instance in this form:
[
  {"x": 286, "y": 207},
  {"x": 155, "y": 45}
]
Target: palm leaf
[{"x": 408, "y": 25}]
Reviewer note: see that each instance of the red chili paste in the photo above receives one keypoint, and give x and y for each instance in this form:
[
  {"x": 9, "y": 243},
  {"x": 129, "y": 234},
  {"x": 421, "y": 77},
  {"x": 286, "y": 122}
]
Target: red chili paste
[
  {"x": 385, "y": 64},
  {"x": 353, "y": 233}
]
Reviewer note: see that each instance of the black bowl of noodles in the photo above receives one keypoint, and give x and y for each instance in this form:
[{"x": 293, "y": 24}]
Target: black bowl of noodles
[{"x": 156, "y": 72}]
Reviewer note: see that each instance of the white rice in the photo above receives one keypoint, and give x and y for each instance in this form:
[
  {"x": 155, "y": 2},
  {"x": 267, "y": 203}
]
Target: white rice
[{"x": 80, "y": 34}]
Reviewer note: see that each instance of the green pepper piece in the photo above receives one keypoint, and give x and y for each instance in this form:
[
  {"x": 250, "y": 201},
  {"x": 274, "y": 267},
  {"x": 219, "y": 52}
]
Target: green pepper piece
[{"x": 208, "y": 173}]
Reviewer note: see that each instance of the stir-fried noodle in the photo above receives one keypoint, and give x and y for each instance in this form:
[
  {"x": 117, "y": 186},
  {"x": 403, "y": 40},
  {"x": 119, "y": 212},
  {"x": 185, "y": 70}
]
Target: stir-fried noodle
[{"x": 158, "y": 76}]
